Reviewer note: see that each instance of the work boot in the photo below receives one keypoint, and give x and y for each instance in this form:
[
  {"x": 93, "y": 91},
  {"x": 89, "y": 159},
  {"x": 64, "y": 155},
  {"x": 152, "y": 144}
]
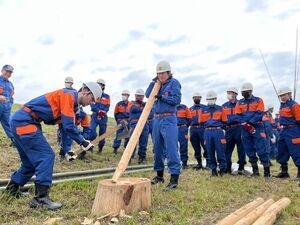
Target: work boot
[
  {"x": 70, "y": 156},
  {"x": 13, "y": 143},
  {"x": 241, "y": 169},
  {"x": 228, "y": 168},
  {"x": 141, "y": 160},
  {"x": 13, "y": 189},
  {"x": 100, "y": 148},
  {"x": 255, "y": 171},
  {"x": 199, "y": 165},
  {"x": 61, "y": 155},
  {"x": 159, "y": 178},
  {"x": 81, "y": 156},
  {"x": 214, "y": 173},
  {"x": 173, "y": 183},
  {"x": 115, "y": 151},
  {"x": 284, "y": 172},
  {"x": 267, "y": 173},
  {"x": 42, "y": 199},
  {"x": 184, "y": 165},
  {"x": 223, "y": 172}
]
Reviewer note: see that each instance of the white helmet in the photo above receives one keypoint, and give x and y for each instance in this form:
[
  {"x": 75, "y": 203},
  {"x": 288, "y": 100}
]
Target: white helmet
[
  {"x": 94, "y": 88},
  {"x": 163, "y": 66},
  {"x": 140, "y": 92},
  {"x": 247, "y": 87},
  {"x": 101, "y": 81},
  {"x": 197, "y": 94},
  {"x": 284, "y": 90},
  {"x": 211, "y": 95},
  {"x": 233, "y": 89},
  {"x": 125, "y": 92},
  {"x": 69, "y": 80},
  {"x": 270, "y": 107}
]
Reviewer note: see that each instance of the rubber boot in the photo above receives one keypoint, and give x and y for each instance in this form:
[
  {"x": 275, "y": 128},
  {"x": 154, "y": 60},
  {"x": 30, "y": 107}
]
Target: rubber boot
[
  {"x": 199, "y": 164},
  {"x": 241, "y": 169},
  {"x": 228, "y": 169},
  {"x": 214, "y": 173},
  {"x": 184, "y": 165},
  {"x": 115, "y": 151},
  {"x": 61, "y": 155},
  {"x": 42, "y": 198},
  {"x": 255, "y": 170},
  {"x": 13, "y": 189},
  {"x": 159, "y": 178},
  {"x": 173, "y": 183},
  {"x": 100, "y": 148},
  {"x": 284, "y": 172},
  {"x": 267, "y": 173}
]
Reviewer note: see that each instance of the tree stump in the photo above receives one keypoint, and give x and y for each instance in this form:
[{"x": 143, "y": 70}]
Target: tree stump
[{"x": 129, "y": 194}]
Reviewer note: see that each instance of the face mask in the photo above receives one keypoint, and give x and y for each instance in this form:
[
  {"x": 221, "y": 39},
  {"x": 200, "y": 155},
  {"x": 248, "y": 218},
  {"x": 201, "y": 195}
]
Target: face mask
[
  {"x": 246, "y": 94},
  {"x": 68, "y": 85},
  {"x": 230, "y": 97},
  {"x": 211, "y": 101},
  {"x": 124, "y": 98},
  {"x": 197, "y": 101}
]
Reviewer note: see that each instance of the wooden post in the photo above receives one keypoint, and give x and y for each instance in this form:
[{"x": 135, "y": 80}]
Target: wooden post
[
  {"x": 270, "y": 215},
  {"x": 240, "y": 213},
  {"x": 136, "y": 134},
  {"x": 106, "y": 134},
  {"x": 129, "y": 194},
  {"x": 255, "y": 213}
]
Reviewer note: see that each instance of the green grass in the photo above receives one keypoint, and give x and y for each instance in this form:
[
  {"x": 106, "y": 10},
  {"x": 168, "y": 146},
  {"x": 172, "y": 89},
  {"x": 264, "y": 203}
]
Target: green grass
[{"x": 199, "y": 199}]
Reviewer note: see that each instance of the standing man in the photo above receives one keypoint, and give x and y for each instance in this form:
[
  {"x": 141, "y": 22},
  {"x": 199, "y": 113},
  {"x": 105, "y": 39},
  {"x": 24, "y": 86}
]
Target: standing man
[
  {"x": 135, "y": 110},
  {"x": 233, "y": 132},
  {"x": 6, "y": 100},
  {"x": 289, "y": 137},
  {"x": 212, "y": 118},
  {"x": 197, "y": 130},
  {"x": 165, "y": 131},
  {"x": 183, "y": 122},
  {"x": 99, "y": 115},
  {"x": 36, "y": 154},
  {"x": 251, "y": 111},
  {"x": 121, "y": 113}
]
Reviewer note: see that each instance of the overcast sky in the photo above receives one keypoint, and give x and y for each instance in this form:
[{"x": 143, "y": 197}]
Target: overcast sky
[{"x": 210, "y": 44}]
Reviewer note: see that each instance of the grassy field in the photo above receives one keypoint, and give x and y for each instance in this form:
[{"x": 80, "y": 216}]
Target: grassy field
[{"x": 200, "y": 199}]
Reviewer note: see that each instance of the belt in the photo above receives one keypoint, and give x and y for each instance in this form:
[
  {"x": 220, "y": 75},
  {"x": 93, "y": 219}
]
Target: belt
[
  {"x": 134, "y": 120},
  {"x": 195, "y": 126},
  {"x": 181, "y": 125},
  {"x": 33, "y": 114},
  {"x": 233, "y": 125},
  {"x": 163, "y": 115},
  {"x": 212, "y": 128}
]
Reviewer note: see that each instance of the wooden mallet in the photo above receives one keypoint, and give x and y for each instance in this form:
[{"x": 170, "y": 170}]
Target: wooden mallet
[{"x": 129, "y": 194}]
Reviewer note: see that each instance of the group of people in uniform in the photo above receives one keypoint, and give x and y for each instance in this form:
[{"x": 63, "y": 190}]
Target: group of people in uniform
[{"x": 213, "y": 130}]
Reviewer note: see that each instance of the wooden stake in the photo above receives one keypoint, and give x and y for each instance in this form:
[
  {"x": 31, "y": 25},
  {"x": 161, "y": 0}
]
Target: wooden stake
[
  {"x": 136, "y": 134},
  {"x": 240, "y": 213},
  {"x": 255, "y": 213},
  {"x": 270, "y": 215},
  {"x": 106, "y": 134}
]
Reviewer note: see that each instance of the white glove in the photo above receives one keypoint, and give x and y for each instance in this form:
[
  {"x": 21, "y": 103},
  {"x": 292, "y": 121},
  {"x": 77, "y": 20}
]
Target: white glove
[
  {"x": 273, "y": 139},
  {"x": 86, "y": 145}
]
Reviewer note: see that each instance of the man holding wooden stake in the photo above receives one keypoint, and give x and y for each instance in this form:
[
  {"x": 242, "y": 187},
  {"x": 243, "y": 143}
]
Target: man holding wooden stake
[{"x": 165, "y": 130}]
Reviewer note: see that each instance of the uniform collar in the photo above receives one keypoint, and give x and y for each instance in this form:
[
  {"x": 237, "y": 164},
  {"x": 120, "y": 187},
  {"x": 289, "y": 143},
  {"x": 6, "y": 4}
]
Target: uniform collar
[{"x": 2, "y": 78}]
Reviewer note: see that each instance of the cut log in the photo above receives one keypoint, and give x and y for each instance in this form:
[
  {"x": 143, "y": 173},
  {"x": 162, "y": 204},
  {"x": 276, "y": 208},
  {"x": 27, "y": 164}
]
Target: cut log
[
  {"x": 270, "y": 215},
  {"x": 240, "y": 213},
  {"x": 255, "y": 213},
  {"x": 136, "y": 134},
  {"x": 129, "y": 194}
]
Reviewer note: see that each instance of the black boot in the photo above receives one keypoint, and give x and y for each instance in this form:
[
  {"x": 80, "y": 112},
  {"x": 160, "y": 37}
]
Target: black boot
[
  {"x": 115, "y": 151},
  {"x": 159, "y": 178},
  {"x": 241, "y": 169},
  {"x": 184, "y": 165},
  {"x": 173, "y": 182},
  {"x": 141, "y": 160},
  {"x": 13, "y": 189},
  {"x": 223, "y": 172},
  {"x": 42, "y": 198},
  {"x": 267, "y": 173},
  {"x": 228, "y": 169},
  {"x": 61, "y": 155},
  {"x": 81, "y": 156},
  {"x": 255, "y": 171},
  {"x": 284, "y": 172},
  {"x": 214, "y": 173},
  {"x": 199, "y": 164},
  {"x": 100, "y": 148},
  {"x": 13, "y": 143}
]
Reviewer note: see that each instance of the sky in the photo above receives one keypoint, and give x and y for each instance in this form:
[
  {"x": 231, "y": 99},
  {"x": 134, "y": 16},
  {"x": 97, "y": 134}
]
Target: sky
[{"x": 211, "y": 45}]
